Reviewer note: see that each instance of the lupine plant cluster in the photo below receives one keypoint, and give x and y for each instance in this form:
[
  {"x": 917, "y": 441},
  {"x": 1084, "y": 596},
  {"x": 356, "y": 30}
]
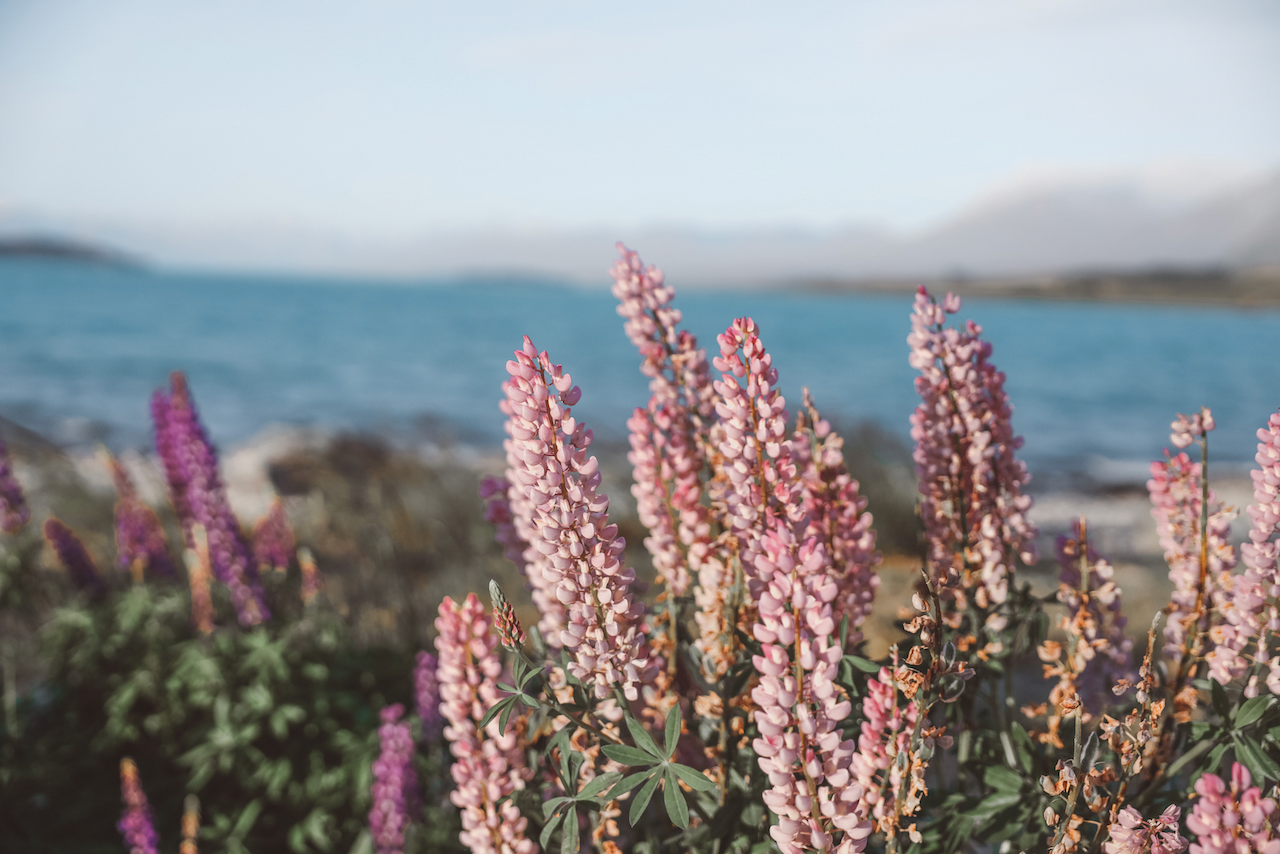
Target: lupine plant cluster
[{"x": 735, "y": 709}]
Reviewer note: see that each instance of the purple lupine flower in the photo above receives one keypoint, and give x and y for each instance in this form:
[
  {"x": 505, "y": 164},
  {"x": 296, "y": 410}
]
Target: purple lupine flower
[
  {"x": 273, "y": 541},
  {"x": 395, "y": 784},
  {"x": 191, "y": 467},
  {"x": 14, "y": 513},
  {"x": 135, "y": 822},
  {"x": 140, "y": 540},
  {"x": 427, "y": 687},
  {"x": 84, "y": 573}
]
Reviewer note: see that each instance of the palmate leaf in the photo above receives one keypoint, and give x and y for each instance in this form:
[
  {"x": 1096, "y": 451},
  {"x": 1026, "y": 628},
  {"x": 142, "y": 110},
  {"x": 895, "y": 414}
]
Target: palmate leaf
[
  {"x": 569, "y": 839},
  {"x": 628, "y": 755},
  {"x": 671, "y": 737},
  {"x": 599, "y": 784},
  {"x": 495, "y": 710},
  {"x": 677, "y": 809},
  {"x": 628, "y": 783},
  {"x": 548, "y": 829},
  {"x": 692, "y": 777},
  {"x": 643, "y": 740}
]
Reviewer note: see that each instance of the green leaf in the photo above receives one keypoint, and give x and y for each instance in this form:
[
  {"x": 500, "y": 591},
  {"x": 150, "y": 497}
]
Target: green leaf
[
  {"x": 552, "y": 805},
  {"x": 1002, "y": 778},
  {"x": 1255, "y": 758},
  {"x": 628, "y": 755},
  {"x": 991, "y": 805},
  {"x": 672, "y": 735},
  {"x": 569, "y": 839},
  {"x": 599, "y": 784},
  {"x": 844, "y": 631},
  {"x": 628, "y": 783},
  {"x": 494, "y": 711},
  {"x": 692, "y": 777},
  {"x": 1221, "y": 704},
  {"x": 643, "y": 797},
  {"x": 677, "y": 809},
  {"x": 1253, "y": 710},
  {"x": 866, "y": 665},
  {"x": 643, "y": 740},
  {"x": 248, "y": 816},
  {"x": 548, "y": 829}
]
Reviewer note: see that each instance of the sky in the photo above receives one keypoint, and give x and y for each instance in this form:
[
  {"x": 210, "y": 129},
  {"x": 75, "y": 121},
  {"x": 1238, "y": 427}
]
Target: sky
[{"x": 384, "y": 120}]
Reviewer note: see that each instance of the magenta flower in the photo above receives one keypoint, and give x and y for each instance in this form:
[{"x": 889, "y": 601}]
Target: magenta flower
[
  {"x": 75, "y": 558},
  {"x": 973, "y": 508},
  {"x": 1234, "y": 819},
  {"x": 14, "y": 513},
  {"x": 135, "y": 823},
  {"x": 668, "y": 438},
  {"x": 489, "y": 765},
  {"x": 798, "y": 706},
  {"x": 198, "y": 495},
  {"x": 395, "y": 784},
  {"x": 273, "y": 541},
  {"x": 141, "y": 545},
  {"x": 1131, "y": 834},
  {"x": 578, "y": 551},
  {"x": 427, "y": 693}
]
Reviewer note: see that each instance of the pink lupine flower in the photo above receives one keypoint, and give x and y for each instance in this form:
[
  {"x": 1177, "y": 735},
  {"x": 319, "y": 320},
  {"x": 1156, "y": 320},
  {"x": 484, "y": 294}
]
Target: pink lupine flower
[
  {"x": 14, "y": 513},
  {"x": 836, "y": 515},
  {"x": 973, "y": 508},
  {"x": 273, "y": 540},
  {"x": 140, "y": 541},
  {"x": 488, "y": 763},
  {"x": 395, "y": 784},
  {"x": 580, "y": 551},
  {"x": 668, "y": 438},
  {"x": 73, "y": 556},
  {"x": 1256, "y": 591},
  {"x": 198, "y": 495},
  {"x": 799, "y": 708},
  {"x": 1235, "y": 819},
  {"x": 1188, "y": 428},
  {"x": 1130, "y": 834},
  {"x": 135, "y": 823},
  {"x": 1177, "y": 498},
  {"x": 426, "y": 687},
  {"x": 886, "y": 734}
]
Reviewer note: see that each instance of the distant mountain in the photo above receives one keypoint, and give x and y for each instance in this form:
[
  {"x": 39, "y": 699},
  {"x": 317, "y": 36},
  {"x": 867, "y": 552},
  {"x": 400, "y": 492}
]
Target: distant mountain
[
  {"x": 57, "y": 249},
  {"x": 1069, "y": 228}
]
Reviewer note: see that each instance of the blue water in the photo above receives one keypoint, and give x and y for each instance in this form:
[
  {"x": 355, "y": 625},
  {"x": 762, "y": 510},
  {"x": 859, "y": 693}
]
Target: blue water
[{"x": 81, "y": 349}]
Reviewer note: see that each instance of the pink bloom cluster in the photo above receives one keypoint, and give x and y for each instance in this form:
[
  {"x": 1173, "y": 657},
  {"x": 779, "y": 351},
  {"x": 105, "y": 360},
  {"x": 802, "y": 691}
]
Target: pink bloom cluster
[
  {"x": 836, "y": 515},
  {"x": 579, "y": 551},
  {"x": 1177, "y": 500},
  {"x": 886, "y": 734},
  {"x": 426, "y": 686},
  {"x": 488, "y": 764},
  {"x": 75, "y": 558},
  {"x": 755, "y": 447},
  {"x": 1131, "y": 834},
  {"x": 973, "y": 509},
  {"x": 395, "y": 784},
  {"x": 1255, "y": 593},
  {"x": 140, "y": 540},
  {"x": 666, "y": 452},
  {"x": 14, "y": 513},
  {"x": 135, "y": 822},
  {"x": 1235, "y": 819},
  {"x": 813, "y": 790},
  {"x": 1188, "y": 428},
  {"x": 273, "y": 541},
  {"x": 198, "y": 495},
  {"x": 1103, "y": 651}
]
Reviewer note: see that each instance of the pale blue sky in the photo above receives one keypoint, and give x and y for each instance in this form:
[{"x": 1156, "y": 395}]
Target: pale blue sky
[{"x": 388, "y": 119}]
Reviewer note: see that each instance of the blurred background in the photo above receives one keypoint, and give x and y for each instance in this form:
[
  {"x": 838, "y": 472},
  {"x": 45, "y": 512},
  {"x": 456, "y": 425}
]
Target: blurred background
[{"x": 339, "y": 218}]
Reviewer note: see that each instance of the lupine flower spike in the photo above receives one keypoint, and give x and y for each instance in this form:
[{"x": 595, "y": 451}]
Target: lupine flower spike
[
  {"x": 579, "y": 551},
  {"x": 273, "y": 541},
  {"x": 141, "y": 545},
  {"x": 135, "y": 823},
  {"x": 14, "y": 513},
  {"x": 198, "y": 575},
  {"x": 488, "y": 763},
  {"x": 395, "y": 784},
  {"x": 504, "y": 618},
  {"x": 427, "y": 693},
  {"x": 1131, "y": 834},
  {"x": 75, "y": 558},
  {"x": 198, "y": 495},
  {"x": 190, "y": 825},
  {"x": 1233, "y": 818}
]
